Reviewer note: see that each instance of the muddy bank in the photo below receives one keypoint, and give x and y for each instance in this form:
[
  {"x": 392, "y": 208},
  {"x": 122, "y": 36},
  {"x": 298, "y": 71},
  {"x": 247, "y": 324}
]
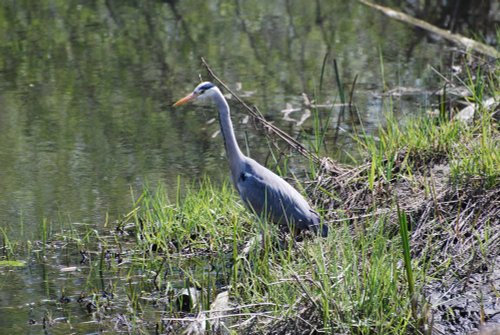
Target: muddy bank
[{"x": 455, "y": 232}]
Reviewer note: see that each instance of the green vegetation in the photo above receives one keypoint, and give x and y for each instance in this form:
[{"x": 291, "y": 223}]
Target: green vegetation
[
  {"x": 84, "y": 117},
  {"x": 348, "y": 282},
  {"x": 162, "y": 267},
  {"x": 12, "y": 263},
  {"x": 472, "y": 151}
]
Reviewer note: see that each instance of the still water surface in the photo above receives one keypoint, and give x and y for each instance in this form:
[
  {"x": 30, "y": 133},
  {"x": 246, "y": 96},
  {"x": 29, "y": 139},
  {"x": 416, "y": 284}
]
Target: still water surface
[
  {"x": 86, "y": 92},
  {"x": 86, "y": 120}
]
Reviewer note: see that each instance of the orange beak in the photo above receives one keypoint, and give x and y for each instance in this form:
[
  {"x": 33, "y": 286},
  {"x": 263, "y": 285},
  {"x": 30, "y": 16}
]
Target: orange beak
[{"x": 184, "y": 100}]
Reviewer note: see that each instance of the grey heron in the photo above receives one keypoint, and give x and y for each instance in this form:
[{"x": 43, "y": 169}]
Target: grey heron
[{"x": 263, "y": 191}]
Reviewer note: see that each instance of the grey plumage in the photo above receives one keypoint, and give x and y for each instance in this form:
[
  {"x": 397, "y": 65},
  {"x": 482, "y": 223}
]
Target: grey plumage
[{"x": 263, "y": 191}]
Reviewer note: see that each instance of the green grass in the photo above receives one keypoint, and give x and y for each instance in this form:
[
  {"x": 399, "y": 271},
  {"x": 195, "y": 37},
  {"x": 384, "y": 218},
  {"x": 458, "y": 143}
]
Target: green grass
[
  {"x": 351, "y": 281},
  {"x": 472, "y": 151},
  {"x": 203, "y": 221},
  {"x": 360, "y": 280}
]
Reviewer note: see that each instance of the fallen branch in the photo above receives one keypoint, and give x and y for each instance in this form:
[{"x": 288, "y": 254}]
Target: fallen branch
[{"x": 455, "y": 38}]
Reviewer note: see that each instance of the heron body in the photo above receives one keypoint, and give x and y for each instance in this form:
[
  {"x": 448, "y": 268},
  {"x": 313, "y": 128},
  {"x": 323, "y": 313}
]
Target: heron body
[{"x": 263, "y": 191}]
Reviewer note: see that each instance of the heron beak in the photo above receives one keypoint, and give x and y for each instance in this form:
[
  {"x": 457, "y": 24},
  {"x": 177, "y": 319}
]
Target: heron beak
[{"x": 184, "y": 100}]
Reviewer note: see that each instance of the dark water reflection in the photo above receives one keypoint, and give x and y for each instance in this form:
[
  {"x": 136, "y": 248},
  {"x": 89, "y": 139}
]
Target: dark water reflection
[{"x": 86, "y": 90}]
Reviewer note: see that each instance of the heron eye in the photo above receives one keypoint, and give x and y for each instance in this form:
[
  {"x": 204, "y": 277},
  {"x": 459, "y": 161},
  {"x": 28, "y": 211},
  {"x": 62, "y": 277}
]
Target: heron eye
[{"x": 205, "y": 87}]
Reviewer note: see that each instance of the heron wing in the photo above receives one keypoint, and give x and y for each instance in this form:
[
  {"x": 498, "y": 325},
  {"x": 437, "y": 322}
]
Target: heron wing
[{"x": 269, "y": 196}]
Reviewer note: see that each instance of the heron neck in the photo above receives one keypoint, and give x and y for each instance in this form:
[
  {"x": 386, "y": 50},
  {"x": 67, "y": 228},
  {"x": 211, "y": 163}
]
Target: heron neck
[{"x": 233, "y": 151}]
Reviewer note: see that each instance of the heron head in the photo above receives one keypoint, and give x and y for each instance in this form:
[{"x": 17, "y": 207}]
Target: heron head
[{"x": 203, "y": 90}]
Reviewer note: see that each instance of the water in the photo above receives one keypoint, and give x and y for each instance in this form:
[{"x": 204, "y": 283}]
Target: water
[{"x": 86, "y": 93}]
